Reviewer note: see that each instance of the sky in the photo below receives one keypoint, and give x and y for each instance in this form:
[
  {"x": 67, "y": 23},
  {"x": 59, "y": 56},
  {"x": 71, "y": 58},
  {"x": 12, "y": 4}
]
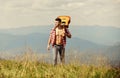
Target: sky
[{"x": 23, "y": 13}]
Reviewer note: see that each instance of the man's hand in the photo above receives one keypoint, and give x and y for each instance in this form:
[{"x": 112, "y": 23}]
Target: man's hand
[
  {"x": 48, "y": 47},
  {"x": 68, "y": 35}
]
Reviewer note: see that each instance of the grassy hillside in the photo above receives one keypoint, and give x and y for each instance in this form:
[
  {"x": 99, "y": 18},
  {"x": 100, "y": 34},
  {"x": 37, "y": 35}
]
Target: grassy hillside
[{"x": 32, "y": 65}]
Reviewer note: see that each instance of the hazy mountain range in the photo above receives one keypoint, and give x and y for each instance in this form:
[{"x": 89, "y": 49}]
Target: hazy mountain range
[
  {"x": 84, "y": 38},
  {"x": 96, "y": 35}
]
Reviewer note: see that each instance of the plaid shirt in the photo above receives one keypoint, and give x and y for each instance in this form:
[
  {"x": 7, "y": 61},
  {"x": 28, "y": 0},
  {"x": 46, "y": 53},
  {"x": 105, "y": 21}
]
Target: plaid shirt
[{"x": 53, "y": 37}]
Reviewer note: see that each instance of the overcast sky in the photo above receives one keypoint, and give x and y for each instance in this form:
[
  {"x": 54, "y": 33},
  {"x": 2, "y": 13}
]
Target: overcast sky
[{"x": 19, "y": 13}]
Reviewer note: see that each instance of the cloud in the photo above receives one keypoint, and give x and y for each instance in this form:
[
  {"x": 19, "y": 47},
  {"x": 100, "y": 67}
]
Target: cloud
[
  {"x": 41, "y": 5},
  {"x": 56, "y": 5},
  {"x": 83, "y": 12}
]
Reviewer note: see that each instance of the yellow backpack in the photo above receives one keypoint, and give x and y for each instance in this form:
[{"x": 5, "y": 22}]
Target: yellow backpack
[{"x": 65, "y": 19}]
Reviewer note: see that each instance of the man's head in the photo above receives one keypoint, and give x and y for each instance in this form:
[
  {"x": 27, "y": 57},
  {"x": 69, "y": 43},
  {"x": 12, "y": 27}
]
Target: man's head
[{"x": 57, "y": 21}]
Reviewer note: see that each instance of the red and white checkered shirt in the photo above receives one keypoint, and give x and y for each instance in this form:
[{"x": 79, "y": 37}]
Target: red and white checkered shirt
[{"x": 53, "y": 37}]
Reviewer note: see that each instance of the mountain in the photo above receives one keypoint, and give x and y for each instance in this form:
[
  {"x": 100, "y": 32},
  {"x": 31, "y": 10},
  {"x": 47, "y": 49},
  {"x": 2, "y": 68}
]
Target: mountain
[
  {"x": 83, "y": 37},
  {"x": 38, "y": 42},
  {"x": 96, "y": 34}
]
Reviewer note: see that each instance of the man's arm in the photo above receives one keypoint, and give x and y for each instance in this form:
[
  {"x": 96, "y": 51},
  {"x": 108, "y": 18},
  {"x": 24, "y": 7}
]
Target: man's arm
[
  {"x": 48, "y": 45},
  {"x": 49, "y": 40},
  {"x": 68, "y": 34}
]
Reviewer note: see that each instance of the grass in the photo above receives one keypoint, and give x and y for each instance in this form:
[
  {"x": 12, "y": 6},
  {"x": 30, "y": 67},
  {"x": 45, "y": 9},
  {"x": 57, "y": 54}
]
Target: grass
[{"x": 29, "y": 66}]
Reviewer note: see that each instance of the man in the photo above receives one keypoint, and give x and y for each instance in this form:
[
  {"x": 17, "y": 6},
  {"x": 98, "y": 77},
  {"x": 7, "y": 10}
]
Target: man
[{"x": 58, "y": 40}]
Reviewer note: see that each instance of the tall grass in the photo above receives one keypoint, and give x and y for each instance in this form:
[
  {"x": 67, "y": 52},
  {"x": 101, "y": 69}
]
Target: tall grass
[{"x": 31, "y": 65}]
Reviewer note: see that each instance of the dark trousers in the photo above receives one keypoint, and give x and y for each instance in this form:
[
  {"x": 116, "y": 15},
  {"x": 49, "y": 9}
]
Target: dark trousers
[{"x": 61, "y": 50}]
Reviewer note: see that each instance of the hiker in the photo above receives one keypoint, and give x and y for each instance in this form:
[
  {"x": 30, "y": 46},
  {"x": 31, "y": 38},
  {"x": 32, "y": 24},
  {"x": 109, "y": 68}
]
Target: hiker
[{"x": 58, "y": 40}]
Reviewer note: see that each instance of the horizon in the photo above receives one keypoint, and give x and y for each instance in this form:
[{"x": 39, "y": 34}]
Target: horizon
[{"x": 53, "y": 25}]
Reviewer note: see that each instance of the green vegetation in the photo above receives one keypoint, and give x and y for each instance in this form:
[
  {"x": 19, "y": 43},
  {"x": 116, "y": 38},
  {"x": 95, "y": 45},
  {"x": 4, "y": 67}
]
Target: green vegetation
[{"x": 23, "y": 67}]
